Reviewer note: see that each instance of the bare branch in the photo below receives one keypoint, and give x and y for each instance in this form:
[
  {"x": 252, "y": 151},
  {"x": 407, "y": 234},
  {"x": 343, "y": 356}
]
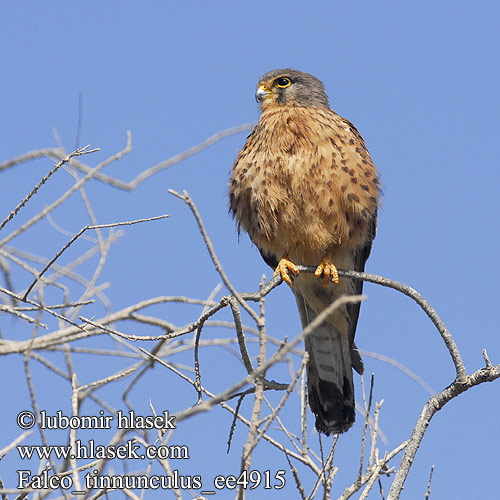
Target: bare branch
[
  {"x": 367, "y": 419},
  {"x": 68, "y": 193},
  {"x": 435, "y": 403},
  {"x": 77, "y": 235},
  {"x": 351, "y": 490},
  {"x": 32, "y": 155},
  {"x": 14, "y": 443},
  {"x": 428, "y": 492},
  {"x": 419, "y": 299},
  {"x": 241, "y": 337},
  {"x": 261, "y": 412},
  {"x": 149, "y": 172},
  {"x": 187, "y": 199},
  {"x": 399, "y": 366},
  {"x": 78, "y": 152},
  {"x": 278, "y": 356}
]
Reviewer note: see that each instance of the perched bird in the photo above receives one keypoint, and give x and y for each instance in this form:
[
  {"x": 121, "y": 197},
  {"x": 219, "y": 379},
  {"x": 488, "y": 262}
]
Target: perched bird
[{"x": 306, "y": 191}]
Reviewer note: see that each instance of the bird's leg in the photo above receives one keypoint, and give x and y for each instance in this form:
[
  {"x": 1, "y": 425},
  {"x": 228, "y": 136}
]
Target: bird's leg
[
  {"x": 328, "y": 270},
  {"x": 285, "y": 265}
]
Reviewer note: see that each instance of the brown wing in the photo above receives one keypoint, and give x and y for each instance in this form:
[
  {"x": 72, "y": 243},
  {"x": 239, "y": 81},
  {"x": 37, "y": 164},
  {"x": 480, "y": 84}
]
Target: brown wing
[{"x": 360, "y": 258}]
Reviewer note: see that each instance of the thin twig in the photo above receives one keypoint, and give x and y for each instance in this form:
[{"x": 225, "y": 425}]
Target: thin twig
[
  {"x": 399, "y": 366},
  {"x": 14, "y": 443},
  {"x": 66, "y": 159},
  {"x": 32, "y": 155},
  {"x": 68, "y": 193},
  {"x": 365, "y": 426},
  {"x": 356, "y": 486},
  {"x": 72, "y": 433},
  {"x": 428, "y": 492},
  {"x": 77, "y": 235},
  {"x": 258, "y": 381},
  {"x": 233, "y": 422},
  {"x": 15, "y": 312},
  {"x": 375, "y": 475},
  {"x": 433, "y": 405},
  {"x": 197, "y": 363},
  {"x": 421, "y": 301},
  {"x": 283, "y": 400},
  {"x": 296, "y": 477},
  {"x": 187, "y": 199},
  {"x": 240, "y": 336},
  {"x": 277, "y": 357},
  {"x": 155, "y": 169},
  {"x": 326, "y": 466}
]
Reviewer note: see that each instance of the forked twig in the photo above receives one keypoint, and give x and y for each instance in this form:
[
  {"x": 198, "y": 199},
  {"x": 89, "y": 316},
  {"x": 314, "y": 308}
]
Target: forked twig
[
  {"x": 187, "y": 199},
  {"x": 68, "y": 193},
  {"x": 76, "y": 236},
  {"x": 78, "y": 152},
  {"x": 433, "y": 405}
]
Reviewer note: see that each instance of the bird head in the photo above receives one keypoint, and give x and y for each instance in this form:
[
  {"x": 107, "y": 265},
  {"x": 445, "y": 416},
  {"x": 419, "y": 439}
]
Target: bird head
[{"x": 290, "y": 87}]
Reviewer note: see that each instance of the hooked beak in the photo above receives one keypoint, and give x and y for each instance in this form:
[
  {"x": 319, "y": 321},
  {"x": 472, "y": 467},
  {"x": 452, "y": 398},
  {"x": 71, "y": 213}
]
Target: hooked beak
[{"x": 261, "y": 94}]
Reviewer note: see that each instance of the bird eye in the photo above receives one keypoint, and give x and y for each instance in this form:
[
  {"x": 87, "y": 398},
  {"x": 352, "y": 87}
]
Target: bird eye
[{"x": 283, "y": 82}]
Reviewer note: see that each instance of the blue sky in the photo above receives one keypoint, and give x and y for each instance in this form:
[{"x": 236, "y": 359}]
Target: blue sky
[{"x": 419, "y": 80}]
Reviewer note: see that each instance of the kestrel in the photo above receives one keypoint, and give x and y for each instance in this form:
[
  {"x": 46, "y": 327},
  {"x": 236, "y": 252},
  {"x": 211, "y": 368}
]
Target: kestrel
[{"x": 306, "y": 191}]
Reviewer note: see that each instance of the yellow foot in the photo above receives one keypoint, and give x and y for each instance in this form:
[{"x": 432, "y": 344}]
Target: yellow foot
[
  {"x": 328, "y": 270},
  {"x": 283, "y": 267}
]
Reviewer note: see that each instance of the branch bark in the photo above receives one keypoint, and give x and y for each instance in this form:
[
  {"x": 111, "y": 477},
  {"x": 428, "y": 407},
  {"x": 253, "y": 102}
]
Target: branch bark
[{"x": 433, "y": 405}]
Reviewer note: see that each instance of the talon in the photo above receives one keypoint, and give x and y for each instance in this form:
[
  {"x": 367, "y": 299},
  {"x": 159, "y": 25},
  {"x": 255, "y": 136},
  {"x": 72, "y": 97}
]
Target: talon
[
  {"x": 285, "y": 265},
  {"x": 328, "y": 270}
]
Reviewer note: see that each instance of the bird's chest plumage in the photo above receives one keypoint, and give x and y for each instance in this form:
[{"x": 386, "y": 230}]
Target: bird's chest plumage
[{"x": 303, "y": 185}]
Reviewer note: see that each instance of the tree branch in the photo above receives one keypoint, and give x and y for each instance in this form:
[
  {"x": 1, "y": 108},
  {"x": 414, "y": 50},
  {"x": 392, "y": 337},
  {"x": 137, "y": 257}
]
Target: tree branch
[{"x": 433, "y": 405}]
